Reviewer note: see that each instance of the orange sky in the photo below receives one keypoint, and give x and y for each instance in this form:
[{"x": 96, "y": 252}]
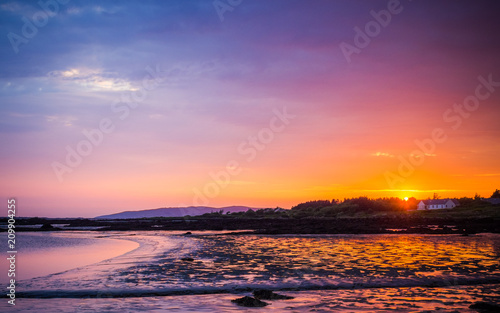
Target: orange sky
[{"x": 176, "y": 95}]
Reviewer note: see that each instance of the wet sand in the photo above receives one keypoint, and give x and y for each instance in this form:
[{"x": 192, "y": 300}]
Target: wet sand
[{"x": 203, "y": 272}]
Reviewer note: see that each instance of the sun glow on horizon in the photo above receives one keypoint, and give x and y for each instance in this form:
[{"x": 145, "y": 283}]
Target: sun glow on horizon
[{"x": 109, "y": 122}]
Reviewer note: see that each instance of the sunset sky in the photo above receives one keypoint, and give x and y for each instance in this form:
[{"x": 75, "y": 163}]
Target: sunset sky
[{"x": 295, "y": 96}]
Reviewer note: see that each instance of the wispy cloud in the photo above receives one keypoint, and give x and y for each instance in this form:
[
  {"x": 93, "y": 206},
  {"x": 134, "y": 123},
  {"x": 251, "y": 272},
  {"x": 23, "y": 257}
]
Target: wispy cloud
[
  {"x": 383, "y": 154},
  {"x": 92, "y": 79},
  {"x": 221, "y": 80}
]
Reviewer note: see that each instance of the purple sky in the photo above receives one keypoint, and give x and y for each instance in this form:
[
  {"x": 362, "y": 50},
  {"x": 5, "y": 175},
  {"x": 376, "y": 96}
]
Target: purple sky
[{"x": 221, "y": 82}]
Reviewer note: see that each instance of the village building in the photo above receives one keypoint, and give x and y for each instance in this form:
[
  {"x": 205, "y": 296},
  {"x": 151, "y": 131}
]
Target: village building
[{"x": 436, "y": 204}]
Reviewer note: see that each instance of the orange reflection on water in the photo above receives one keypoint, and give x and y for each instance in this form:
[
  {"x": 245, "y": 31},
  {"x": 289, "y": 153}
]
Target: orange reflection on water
[
  {"x": 376, "y": 256},
  {"x": 369, "y": 260}
]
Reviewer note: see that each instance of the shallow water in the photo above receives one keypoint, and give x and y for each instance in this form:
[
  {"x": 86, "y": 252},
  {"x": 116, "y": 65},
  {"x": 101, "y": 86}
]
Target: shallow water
[
  {"x": 414, "y": 299},
  {"x": 409, "y": 273},
  {"x": 41, "y": 254}
]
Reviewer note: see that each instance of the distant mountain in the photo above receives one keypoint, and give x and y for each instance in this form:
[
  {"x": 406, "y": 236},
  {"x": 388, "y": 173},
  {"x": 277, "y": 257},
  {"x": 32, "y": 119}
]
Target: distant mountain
[{"x": 174, "y": 212}]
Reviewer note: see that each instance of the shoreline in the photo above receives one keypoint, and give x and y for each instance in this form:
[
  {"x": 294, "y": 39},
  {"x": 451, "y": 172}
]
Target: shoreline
[
  {"x": 276, "y": 226},
  {"x": 54, "y": 260}
]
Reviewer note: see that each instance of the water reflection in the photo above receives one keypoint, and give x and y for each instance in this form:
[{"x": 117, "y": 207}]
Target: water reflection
[
  {"x": 237, "y": 264},
  {"x": 40, "y": 254},
  {"x": 229, "y": 262},
  {"x": 225, "y": 260}
]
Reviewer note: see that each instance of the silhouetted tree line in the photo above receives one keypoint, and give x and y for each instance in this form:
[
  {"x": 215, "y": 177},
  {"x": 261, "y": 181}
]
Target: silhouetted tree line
[
  {"x": 260, "y": 213},
  {"x": 353, "y": 206},
  {"x": 349, "y": 207}
]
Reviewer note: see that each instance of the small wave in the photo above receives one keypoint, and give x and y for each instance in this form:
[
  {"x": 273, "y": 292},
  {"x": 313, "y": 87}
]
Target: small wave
[{"x": 130, "y": 293}]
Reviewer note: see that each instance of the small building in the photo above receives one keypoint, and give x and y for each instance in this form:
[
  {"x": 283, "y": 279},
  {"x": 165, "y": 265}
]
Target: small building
[{"x": 436, "y": 204}]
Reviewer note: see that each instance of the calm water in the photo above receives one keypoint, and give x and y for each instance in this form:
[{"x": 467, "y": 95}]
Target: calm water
[
  {"x": 40, "y": 254},
  {"x": 407, "y": 273}
]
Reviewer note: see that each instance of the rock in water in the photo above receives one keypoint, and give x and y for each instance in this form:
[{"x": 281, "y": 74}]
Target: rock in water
[
  {"x": 187, "y": 259},
  {"x": 47, "y": 226},
  {"x": 485, "y": 307},
  {"x": 269, "y": 295},
  {"x": 249, "y": 302}
]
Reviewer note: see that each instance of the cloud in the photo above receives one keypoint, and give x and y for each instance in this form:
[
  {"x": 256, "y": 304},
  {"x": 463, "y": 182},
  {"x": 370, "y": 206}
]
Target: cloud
[
  {"x": 425, "y": 154},
  {"x": 93, "y": 79},
  {"x": 11, "y": 6},
  {"x": 383, "y": 154},
  {"x": 222, "y": 81}
]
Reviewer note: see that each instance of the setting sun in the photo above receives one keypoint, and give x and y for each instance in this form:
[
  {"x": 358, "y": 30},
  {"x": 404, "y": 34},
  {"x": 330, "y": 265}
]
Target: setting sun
[{"x": 405, "y": 198}]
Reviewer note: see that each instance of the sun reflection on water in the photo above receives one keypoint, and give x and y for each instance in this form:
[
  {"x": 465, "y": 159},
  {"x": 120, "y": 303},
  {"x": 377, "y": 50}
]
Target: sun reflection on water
[{"x": 224, "y": 260}]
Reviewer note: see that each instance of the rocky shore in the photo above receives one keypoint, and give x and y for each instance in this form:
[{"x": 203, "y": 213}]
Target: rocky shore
[{"x": 270, "y": 226}]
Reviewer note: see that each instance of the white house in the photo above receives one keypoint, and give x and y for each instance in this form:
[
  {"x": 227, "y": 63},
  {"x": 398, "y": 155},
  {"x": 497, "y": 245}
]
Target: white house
[{"x": 437, "y": 204}]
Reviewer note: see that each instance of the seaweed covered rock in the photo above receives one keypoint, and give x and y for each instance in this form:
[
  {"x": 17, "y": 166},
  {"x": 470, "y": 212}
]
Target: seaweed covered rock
[
  {"x": 47, "y": 226},
  {"x": 249, "y": 302}
]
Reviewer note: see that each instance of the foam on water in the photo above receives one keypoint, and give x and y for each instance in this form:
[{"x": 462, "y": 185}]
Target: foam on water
[{"x": 417, "y": 299}]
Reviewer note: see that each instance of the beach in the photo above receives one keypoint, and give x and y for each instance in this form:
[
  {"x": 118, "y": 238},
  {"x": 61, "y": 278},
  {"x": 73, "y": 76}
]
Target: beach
[
  {"x": 204, "y": 271},
  {"x": 53, "y": 252}
]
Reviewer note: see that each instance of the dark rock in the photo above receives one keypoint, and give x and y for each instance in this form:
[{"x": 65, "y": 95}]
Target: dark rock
[
  {"x": 187, "y": 259},
  {"x": 269, "y": 295},
  {"x": 249, "y": 302},
  {"x": 47, "y": 226},
  {"x": 485, "y": 307},
  {"x": 188, "y": 233}
]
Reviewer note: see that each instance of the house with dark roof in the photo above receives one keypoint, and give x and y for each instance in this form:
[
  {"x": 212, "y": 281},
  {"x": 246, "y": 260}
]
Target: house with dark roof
[{"x": 436, "y": 204}]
